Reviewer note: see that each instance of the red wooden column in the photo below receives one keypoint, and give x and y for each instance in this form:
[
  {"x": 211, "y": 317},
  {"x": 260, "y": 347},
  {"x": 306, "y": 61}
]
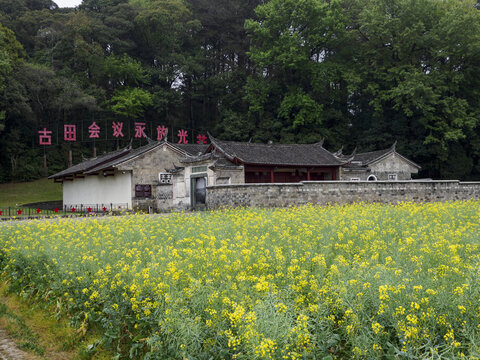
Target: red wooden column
[
  {"x": 308, "y": 174},
  {"x": 272, "y": 177},
  {"x": 334, "y": 174}
]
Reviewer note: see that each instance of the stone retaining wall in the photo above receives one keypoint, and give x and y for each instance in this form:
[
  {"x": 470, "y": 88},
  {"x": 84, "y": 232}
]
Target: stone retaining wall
[{"x": 327, "y": 192}]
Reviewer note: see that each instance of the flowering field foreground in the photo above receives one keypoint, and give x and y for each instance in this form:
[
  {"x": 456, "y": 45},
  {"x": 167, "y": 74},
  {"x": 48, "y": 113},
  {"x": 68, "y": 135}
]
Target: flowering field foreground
[{"x": 354, "y": 281}]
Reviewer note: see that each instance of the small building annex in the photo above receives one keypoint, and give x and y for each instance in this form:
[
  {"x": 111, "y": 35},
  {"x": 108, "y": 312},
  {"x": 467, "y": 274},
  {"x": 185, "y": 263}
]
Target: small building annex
[
  {"x": 384, "y": 165},
  {"x": 126, "y": 178}
]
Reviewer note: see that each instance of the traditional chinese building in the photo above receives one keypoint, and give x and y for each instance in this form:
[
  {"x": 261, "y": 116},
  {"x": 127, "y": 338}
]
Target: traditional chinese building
[
  {"x": 280, "y": 163},
  {"x": 385, "y": 164},
  {"x": 164, "y": 176},
  {"x": 230, "y": 162},
  {"x": 126, "y": 178}
]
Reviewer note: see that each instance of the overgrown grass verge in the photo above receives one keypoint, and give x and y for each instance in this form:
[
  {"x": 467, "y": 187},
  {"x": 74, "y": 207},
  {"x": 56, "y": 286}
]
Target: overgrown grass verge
[
  {"x": 43, "y": 332},
  {"x": 16, "y": 327}
]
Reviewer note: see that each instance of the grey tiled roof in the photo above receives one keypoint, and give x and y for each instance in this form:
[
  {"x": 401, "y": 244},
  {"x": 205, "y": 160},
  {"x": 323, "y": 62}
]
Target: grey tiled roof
[
  {"x": 132, "y": 154},
  {"x": 276, "y": 154},
  {"x": 364, "y": 159},
  {"x": 368, "y": 157},
  {"x": 91, "y": 163},
  {"x": 197, "y": 158},
  {"x": 191, "y": 149}
]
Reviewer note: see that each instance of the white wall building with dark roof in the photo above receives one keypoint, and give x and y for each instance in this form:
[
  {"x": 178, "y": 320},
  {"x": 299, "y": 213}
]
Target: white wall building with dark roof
[
  {"x": 386, "y": 165},
  {"x": 126, "y": 178}
]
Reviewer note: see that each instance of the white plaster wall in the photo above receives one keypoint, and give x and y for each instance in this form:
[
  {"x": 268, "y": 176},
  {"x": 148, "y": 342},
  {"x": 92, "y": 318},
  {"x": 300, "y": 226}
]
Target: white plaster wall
[
  {"x": 97, "y": 189},
  {"x": 181, "y": 184},
  {"x": 393, "y": 164}
]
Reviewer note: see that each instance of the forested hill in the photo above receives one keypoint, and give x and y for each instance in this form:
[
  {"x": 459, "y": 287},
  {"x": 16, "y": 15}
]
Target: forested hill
[{"x": 359, "y": 73}]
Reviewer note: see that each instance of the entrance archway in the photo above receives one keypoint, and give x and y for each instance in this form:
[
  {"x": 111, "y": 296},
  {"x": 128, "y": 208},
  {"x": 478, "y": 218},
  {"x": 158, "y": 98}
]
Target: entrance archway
[{"x": 198, "y": 191}]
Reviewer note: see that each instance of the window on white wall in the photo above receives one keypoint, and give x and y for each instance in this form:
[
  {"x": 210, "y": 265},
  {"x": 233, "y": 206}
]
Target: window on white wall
[
  {"x": 355, "y": 179},
  {"x": 143, "y": 191},
  {"x": 392, "y": 177}
]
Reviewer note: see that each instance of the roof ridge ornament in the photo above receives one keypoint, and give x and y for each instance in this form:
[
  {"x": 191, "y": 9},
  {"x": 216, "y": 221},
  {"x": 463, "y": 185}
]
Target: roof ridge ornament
[
  {"x": 213, "y": 142},
  {"x": 349, "y": 158},
  {"x": 394, "y": 146},
  {"x": 339, "y": 152},
  {"x": 320, "y": 143}
]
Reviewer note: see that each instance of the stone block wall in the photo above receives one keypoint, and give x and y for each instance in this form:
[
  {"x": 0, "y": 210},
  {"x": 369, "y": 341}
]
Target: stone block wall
[
  {"x": 341, "y": 192},
  {"x": 145, "y": 169}
]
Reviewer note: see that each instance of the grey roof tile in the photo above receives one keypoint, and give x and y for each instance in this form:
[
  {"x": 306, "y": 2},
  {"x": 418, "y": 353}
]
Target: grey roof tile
[
  {"x": 368, "y": 157},
  {"x": 277, "y": 154},
  {"x": 91, "y": 163},
  {"x": 131, "y": 155},
  {"x": 192, "y": 149}
]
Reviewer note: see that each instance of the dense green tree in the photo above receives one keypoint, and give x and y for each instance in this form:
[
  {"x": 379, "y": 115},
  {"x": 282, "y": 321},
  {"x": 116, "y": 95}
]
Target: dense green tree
[
  {"x": 419, "y": 74},
  {"x": 131, "y": 102},
  {"x": 370, "y": 72},
  {"x": 301, "y": 86},
  {"x": 11, "y": 52},
  {"x": 112, "y": 23},
  {"x": 358, "y": 72},
  {"x": 214, "y": 85},
  {"x": 124, "y": 71}
]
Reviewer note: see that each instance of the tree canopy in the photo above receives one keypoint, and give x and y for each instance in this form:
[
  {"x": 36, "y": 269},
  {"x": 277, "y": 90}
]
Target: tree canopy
[{"x": 359, "y": 73}]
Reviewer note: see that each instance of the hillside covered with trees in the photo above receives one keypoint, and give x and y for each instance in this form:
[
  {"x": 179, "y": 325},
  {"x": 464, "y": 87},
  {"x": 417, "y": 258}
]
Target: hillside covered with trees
[{"x": 359, "y": 73}]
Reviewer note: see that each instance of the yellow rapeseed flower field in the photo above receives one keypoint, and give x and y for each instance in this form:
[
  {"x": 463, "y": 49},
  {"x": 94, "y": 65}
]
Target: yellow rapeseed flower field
[{"x": 359, "y": 281}]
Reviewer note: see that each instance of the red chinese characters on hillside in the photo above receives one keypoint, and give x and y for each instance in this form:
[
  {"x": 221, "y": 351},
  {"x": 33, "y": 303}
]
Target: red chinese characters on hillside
[
  {"x": 140, "y": 130},
  {"x": 45, "y": 137},
  {"x": 182, "y": 137},
  {"x": 94, "y": 131},
  {"x": 161, "y": 132},
  {"x": 70, "y": 132},
  {"x": 118, "y": 131},
  {"x": 201, "y": 139}
]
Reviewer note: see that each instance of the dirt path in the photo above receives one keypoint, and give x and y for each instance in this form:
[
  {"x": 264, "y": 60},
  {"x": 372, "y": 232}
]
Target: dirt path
[{"x": 10, "y": 351}]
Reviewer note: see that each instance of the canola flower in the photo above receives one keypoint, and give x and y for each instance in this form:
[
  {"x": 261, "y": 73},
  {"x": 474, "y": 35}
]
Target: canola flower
[{"x": 359, "y": 281}]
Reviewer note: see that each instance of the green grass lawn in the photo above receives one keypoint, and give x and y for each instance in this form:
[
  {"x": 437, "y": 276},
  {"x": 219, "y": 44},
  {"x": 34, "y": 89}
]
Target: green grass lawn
[{"x": 12, "y": 194}]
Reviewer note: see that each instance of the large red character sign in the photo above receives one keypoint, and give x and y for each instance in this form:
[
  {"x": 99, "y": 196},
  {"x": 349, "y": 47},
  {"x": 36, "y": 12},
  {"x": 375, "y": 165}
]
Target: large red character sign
[
  {"x": 94, "y": 131},
  {"x": 45, "y": 137},
  {"x": 182, "y": 137},
  {"x": 117, "y": 129},
  {"x": 140, "y": 130},
  {"x": 70, "y": 132},
  {"x": 161, "y": 132}
]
